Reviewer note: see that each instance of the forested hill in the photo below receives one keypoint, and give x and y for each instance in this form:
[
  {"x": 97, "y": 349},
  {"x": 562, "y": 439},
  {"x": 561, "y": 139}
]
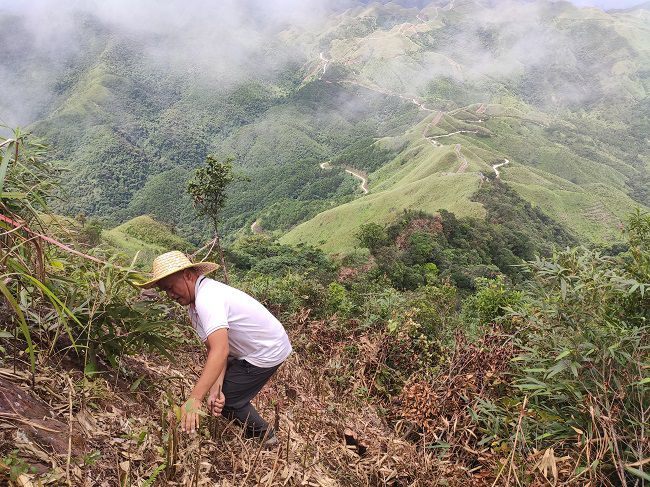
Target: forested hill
[
  {"x": 423, "y": 102},
  {"x": 446, "y": 204}
]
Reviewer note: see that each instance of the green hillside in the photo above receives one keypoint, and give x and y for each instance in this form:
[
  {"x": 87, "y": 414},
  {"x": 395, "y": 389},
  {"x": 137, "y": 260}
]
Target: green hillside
[
  {"x": 558, "y": 91},
  {"x": 145, "y": 237},
  {"x": 445, "y": 204}
]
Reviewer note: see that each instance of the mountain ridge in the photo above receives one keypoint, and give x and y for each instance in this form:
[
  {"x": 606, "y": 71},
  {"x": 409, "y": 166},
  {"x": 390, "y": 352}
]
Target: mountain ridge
[{"x": 565, "y": 108}]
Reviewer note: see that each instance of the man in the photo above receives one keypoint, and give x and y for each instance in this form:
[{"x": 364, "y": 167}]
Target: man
[{"x": 246, "y": 344}]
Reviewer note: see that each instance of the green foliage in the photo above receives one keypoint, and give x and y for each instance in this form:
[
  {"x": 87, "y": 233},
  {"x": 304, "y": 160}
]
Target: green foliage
[
  {"x": 208, "y": 187},
  {"x": 287, "y": 213},
  {"x": 492, "y": 301},
  {"x": 364, "y": 154},
  {"x": 153, "y": 199},
  {"x": 638, "y": 231},
  {"x": 418, "y": 333},
  {"x": 418, "y": 248},
  {"x": 152, "y": 232},
  {"x": 15, "y": 466},
  {"x": 264, "y": 255},
  {"x": 25, "y": 179},
  {"x": 372, "y": 236},
  {"x": 530, "y": 229},
  {"x": 284, "y": 295},
  {"x": 144, "y": 238},
  {"x": 584, "y": 357},
  {"x": 337, "y": 301},
  {"x": 63, "y": 303},
  {"x": 90, "y": 232}
]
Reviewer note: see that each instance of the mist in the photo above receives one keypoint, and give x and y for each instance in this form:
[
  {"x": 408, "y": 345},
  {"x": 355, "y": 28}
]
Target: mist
[
  {"x": 223, "y": 43},
  {"x": 220, "y": 42},
  {"x": 607, "y": 4}
]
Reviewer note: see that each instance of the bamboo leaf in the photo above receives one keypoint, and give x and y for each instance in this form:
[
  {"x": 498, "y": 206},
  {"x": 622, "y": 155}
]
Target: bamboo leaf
[
  {"x": 57, "y": 302},
  {"x": 638, "y": 473},
  {"x": 13, "y": 195},
  {"x": 562, "y": 355},
  {"x": 23, "y": 324}
]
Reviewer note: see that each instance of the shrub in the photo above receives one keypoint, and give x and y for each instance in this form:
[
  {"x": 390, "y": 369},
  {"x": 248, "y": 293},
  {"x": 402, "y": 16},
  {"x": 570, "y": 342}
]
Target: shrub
[
  {"x": 492, "y": 302},
  {"x": 583, "y": 366},
  {"x": 284, "y": 295},
  {"x": 337, "y": 301}
]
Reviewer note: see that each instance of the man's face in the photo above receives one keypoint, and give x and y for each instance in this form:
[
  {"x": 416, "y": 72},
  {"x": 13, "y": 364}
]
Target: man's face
[{"x": 179, "y": 287}]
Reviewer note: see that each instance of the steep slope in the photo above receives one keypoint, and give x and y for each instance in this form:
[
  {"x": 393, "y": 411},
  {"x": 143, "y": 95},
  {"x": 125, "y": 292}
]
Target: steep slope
[
  {"x": 560, "y": 92},
  {"x": 560, "y": 127}
]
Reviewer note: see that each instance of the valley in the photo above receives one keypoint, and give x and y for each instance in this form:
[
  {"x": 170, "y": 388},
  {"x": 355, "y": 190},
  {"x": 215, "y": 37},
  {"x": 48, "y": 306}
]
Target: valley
[
  {"x": 376, "y": 72},
  {"x": 444, "y": 206}
]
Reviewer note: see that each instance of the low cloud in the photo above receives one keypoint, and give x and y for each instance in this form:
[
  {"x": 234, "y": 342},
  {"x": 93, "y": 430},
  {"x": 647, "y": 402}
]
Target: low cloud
[{"x": 220, "y": 41}]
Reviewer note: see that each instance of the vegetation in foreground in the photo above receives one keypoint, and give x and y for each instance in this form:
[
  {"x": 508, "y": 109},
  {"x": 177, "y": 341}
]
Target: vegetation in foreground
[{"x": 530, "y": 376}]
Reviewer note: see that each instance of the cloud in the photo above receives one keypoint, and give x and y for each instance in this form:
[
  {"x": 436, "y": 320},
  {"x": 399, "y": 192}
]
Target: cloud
[
  {"x": 607, "y": 4},
  {"x": 222, "y": 41},
  {"x": 225, "y": 41}
]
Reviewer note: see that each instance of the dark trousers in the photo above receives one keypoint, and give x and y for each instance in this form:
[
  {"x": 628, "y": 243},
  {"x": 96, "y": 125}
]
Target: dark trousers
[{"x": 241, "y": 383}]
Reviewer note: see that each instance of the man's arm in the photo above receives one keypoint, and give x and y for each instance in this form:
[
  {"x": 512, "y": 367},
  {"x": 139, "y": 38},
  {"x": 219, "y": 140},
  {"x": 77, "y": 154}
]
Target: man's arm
[
  {"x": 217, "y": 386},
  {"x": 217, "y": 344},
  {"x": 213, "y": 370}
]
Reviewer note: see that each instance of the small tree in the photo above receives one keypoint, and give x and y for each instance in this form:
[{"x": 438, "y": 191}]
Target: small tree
[{"x": 208, "y": 191}]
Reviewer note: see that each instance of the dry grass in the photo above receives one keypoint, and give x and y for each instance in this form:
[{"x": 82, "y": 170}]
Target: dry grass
[
  {"x": 123, "y": 438},
  {"x": 328, "y": 436}
]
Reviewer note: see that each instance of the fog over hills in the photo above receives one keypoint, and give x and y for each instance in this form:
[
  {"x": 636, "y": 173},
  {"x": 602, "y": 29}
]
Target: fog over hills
[{"x": 422, "y": 100}]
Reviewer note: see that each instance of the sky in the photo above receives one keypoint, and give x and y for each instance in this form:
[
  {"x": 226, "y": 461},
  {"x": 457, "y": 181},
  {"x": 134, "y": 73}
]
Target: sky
[{"x": 607, "y": 4}]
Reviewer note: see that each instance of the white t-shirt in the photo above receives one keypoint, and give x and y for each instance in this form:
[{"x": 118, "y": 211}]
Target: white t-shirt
[{"x": 254, "y": 334}]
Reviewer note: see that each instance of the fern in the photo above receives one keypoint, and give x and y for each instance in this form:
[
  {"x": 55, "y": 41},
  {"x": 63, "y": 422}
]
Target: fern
[{"x": 152, "y": 478}]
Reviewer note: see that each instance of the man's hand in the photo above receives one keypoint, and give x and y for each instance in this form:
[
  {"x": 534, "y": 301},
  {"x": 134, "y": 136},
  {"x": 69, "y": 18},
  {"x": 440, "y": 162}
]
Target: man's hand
[
  {"x": 216, "y": 402},
  {"x": 190, "y": 412}
]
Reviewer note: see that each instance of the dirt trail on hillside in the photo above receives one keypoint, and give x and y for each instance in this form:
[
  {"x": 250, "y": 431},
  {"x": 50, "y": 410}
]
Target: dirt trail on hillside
[
  {"x": 325, "y": 62},
  {"x": 496, "y": 167},
  {"x": 463, "y": 161},
  {"x": 350, "y": 170},
  {"x": 382, "y": 91},
  {"x": 433, "y": 123},
  {"x": 357, "y": 174},
  {"x": 454, "y": 133}
]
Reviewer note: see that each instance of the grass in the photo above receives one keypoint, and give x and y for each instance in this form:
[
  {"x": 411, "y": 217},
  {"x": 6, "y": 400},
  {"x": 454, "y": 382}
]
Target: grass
[
  {"x": 144, "y": 236},
  {"x": 595, "y": 213},
  {"x": 334, "y": 230},
  {"x": 586, "y": 196}
]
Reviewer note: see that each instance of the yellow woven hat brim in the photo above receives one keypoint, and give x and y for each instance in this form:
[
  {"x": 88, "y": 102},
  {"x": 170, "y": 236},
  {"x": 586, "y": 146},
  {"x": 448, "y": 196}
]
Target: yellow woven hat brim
[
  {"x": 172, "y": 262},
  {"x": 203, "y": 268}
]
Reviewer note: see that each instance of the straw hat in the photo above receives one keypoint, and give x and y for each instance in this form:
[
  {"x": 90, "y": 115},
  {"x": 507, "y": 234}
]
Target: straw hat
[{"x": 167, "y": 264}]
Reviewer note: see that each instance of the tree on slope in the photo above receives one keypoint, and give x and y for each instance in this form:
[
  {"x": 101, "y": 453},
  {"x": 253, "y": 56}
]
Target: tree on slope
[{"x": 208, "y": 191}]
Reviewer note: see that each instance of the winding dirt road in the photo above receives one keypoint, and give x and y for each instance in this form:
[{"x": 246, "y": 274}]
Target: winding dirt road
[
  {"x": 496, "y": 167},
  {"x": 463, "y": 161},
  {"x": 359, "y": 175},
  {"x": 454, "y": 133},
  {"x": 350, "y": 170},
  {"x": 325, "y": 62}
]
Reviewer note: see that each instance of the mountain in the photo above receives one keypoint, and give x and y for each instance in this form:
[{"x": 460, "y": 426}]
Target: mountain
[{"x": 426, "y": 102}]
